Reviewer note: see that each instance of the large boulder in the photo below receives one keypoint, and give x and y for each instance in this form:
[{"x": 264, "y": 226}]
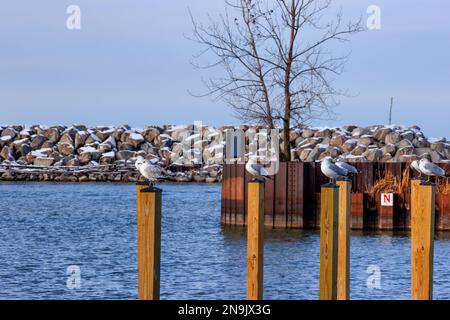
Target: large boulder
[
  {"x": 150, "y": 134},
  {"x": 37, "y": 142},
  {"x": 66, "y": 148},
  {"x": 381, "y": 133},
  {"x": 9, "y": 132},
  {"x": 80, "y": 138},
  {"x": 338, "y": 140},
  {"x": 135, "y": 139},
  {"x": 373, "y": 154},
  {"x": 389, "y": 149},
  {"x": 108, "y": 157},
  {"x": 124, "y": 154},
  {"x": 393, "y": 138},
  {"x": 7, "y": 154},
  {"x": 51, "y": 134},
  {"x": 45, "y": 162},
  {"x": 359, "y": 150},
  {"x": 105, "y": 134}
]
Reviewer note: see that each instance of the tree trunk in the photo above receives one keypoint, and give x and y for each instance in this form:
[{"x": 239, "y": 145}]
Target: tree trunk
[{"x": 287, "y": 143}]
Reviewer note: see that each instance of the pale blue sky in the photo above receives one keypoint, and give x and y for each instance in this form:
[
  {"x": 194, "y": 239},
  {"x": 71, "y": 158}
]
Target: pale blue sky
[{"x": 130, "y": 64}]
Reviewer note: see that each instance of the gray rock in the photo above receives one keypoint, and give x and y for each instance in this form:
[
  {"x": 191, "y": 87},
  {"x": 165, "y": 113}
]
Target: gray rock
[
  {"x": 436, "y": 156},
  {"x": 125, "y": 146},
  {"x": 80, "y": 138},
  {"x": 366, "y": 140},
  {"x": 359, "y": 150},
  {"x": 45, "y": 162},
  {"x": 338, "y": 140},
  {"x": 92, "y": 138},
  {"x": 9, "y": 132},
  {"x": 37, "y": 142},
  {"x": 404, "y": 151},
  {"x": 150, "y": 134},
  {"x": 48, "y": 144},
  {"x": 373, "y": 155},
  {"x": 349, "y": 145},
  {"x": 381, "y": 133},
  {"x": 404, "y": 144},
  {"x": 389, "y": 149},
  {"x": 307, "y": 133},
  {"x": 85, "y": 157},
  {"x": 314, "y": 154},
  {"x": 52, "y": 134},
  {"x": 7, "y": 154},
  {"x": 438, "y": 146},
  {"x": 419, "y": 142},
  {"x": 304, "y": 154},
  {"x": 408, "y": 135},
  {"x": 124, "y": 155},
  {"x": 67, "y": 138},
  {"x": 324, "y": 133},
  {"x": 393, "y": 138},
  {"x": 24, "y": 149},
  {"x": 66, "y": 148}
]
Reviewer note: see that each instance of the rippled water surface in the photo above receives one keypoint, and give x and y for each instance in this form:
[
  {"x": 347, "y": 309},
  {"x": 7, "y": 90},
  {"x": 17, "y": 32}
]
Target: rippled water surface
[{"x": 44, "y": 228}]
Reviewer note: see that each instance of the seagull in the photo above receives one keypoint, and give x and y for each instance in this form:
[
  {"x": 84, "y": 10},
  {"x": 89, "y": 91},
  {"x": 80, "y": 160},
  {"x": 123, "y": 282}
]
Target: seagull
[
  {"x": 430, "y": 169},
  {"x": 331, "y": 170},
  {"x": 415, "y": 165},
  {"x": 149, "y": 170},
  {"x": 347, "y": 167},
  {"x": 256, "y": 169}
]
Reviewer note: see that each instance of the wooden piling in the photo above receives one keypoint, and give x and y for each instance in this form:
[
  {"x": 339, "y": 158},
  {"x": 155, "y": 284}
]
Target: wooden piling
[
  {"x": 343, "y": 269},
  {"x": 148, "y": 206},
  {"x": 422, "y": 240},
  {"x": 328, "y": 241},
  {"x": 255, "y": 240}
]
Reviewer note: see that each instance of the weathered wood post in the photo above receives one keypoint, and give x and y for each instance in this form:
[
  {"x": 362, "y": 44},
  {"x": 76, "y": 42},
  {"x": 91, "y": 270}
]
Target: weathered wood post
[
  {"x": 328, "y": 241},
  {"x": 255, "y": 240},
  {"x": 148, "y": 207},
  {"x": 422, "y": 240},
  {"x": 343, "y": 269}
]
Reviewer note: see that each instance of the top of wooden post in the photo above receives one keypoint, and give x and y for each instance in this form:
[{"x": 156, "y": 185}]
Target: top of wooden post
[
  {"x": 344, "y": 179},
  {"x": 148, "y": 189},
  {"x": 255, "y": 180},
  {"x": 330, "y": 185},
  {"x": 427, "y": 183}
]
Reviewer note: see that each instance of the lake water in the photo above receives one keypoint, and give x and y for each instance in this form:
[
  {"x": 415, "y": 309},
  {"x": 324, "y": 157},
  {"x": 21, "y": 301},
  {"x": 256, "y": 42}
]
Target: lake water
[{"x": 45, "y": 228}]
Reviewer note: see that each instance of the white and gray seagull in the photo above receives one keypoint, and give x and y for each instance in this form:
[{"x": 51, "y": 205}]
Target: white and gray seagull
[
  {"x": 430, "y": 169},
  {"x": 331, "y": 170},
  {"x": 415, "y": 166},
  {"x": 149, "y": 170},
  {"x": 255, "y": 169}
]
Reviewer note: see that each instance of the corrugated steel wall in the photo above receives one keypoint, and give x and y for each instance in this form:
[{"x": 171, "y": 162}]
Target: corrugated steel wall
[{"x": 292, "y": 197}]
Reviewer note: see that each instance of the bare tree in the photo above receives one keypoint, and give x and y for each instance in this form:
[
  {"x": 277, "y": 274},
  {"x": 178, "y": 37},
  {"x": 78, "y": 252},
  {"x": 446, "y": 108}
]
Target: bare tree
[{"x": 278, "y": 69}]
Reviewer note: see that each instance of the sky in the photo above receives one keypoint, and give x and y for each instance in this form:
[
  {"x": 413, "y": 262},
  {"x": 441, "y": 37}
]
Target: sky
[{"x": 130, "y": 63}]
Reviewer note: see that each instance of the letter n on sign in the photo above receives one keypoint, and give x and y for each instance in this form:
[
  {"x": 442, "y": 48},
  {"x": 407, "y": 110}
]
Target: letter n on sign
[{"x": 387, "y": 199}]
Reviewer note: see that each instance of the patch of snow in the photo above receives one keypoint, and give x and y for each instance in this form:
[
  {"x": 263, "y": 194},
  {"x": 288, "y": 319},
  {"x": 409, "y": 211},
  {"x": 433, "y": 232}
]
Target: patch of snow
[
  {"x": 88, "y": 149},
  {"x": 136, "y": 136},
  {"x": 110, "y": 154}
]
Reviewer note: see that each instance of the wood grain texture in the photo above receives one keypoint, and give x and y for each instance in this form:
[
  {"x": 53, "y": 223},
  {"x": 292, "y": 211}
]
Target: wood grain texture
[
  {"x": 343, "y": 277},
  {"x": 328, "y": 243},
  {"x": 255, "y": 241},
  {"x": 148, "y": 205},
  {"x": 422, "y": 241}
]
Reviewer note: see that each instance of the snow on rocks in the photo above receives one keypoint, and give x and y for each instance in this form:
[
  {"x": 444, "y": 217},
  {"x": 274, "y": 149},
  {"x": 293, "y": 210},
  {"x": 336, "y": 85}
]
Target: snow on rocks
[{"x": 193, "y": 153}]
